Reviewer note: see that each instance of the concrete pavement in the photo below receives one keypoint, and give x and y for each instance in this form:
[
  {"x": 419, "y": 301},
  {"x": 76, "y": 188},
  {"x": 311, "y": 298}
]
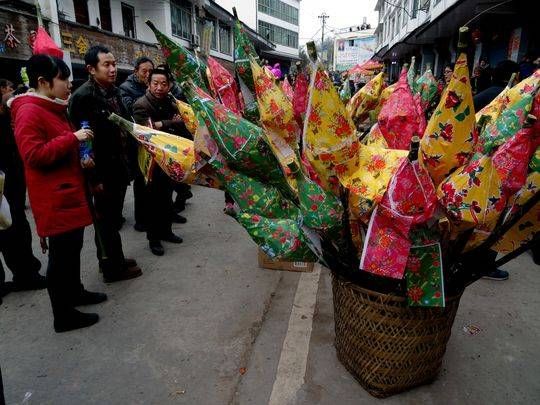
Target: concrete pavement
[{"x": 205, "y": 325}]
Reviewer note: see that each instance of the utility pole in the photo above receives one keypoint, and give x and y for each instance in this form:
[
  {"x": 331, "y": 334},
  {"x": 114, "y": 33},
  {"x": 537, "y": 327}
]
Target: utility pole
[{"x": 323, "y": 17}]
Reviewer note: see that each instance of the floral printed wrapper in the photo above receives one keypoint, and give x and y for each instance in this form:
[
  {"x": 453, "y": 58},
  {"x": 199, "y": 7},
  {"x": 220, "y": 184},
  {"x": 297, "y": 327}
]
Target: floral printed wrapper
[
  {"x": 426, "y": 85},
  {"x": 387, "y": 244},
  {"x": 472, "y": 196},
  {"x": 276, "y": 110},
  {"x": 357, "y": 236},
  {"x": 506, "y": 125},
  {"x": 375, "y": 138},
  {"x": 300, "y": 98},
  {"x": 188, "y": 116},
  {"x": 224, "y": 86},
  {"x": 243, "y": 50},
  {"x": 511, "y": 160},
  {"x": 254, "y": 197},
  {"x": 345, "y": 92},
  {"x": 282, "y": 239},
  {"x": 369, "y": 183},
  {"x": 411, "y": 76},
  {"x": 508, "y": 96},
  {"x": 529, "y": 225},
  {"x": 385, "y": 95},
  {"x": 449, "y": 137},
  {"x": 535, "y": 161},
  {"x": 288, "y": 89},
  {"x": 366, "y": 99},
  {"x": 330, "y": 141},
  {"x": 424, "y": 271},
  {"x": 174, "y": 154},
  {"x": 401, "y": 117},
  {"x": 183, "y": 63},
  {"x": 321, "y": 210},
  {"x": 242, "y": 144},
  {"x": 409, "y": 200}
]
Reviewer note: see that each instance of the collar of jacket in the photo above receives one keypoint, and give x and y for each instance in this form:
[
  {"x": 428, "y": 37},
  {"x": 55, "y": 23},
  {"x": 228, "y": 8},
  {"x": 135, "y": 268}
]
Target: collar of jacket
[
  {"x": 105, "y": 92},
  {"x": 159, "y": 101}
]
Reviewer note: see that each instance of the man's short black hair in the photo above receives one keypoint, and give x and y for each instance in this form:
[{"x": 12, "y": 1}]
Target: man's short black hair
[
  {"x": 92, "y": 55},
  {"x": 503, "y": 71},
  {"x": 142, "y": 59},
  {"x": 47, "y": 67},
  {"x": 161, "y": 70},
  {"x": 6, "y": 83}
]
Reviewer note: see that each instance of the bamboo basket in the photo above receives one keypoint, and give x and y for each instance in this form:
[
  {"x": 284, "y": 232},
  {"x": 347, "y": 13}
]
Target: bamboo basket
[{"x": 386, "y": 345}]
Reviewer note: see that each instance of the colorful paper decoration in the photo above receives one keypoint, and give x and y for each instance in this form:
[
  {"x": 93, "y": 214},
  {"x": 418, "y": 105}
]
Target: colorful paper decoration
[
  {"x": 224, "y": 86},
  {"x": 330, "y": 142},
  {"x": 365, "y": 99},
  {"x": 282, "y": 239},
  {"x": 401, "y": 117},
  {"x": 183, "y": 64},
  {"x": 424, "y": 271},
  {"x": 449, "y": 141},
  {"x": 409, "y": 200}
]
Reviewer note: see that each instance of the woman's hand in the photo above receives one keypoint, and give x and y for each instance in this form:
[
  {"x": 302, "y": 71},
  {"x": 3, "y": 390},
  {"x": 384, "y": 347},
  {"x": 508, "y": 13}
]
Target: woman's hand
[
  {"x": 83, "y": 134},
  {"x": 88, "y": 163}
]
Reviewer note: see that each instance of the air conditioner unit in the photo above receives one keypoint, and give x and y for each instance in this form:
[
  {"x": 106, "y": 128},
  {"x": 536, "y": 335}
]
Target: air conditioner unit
[{"x": 195, "y": 40}]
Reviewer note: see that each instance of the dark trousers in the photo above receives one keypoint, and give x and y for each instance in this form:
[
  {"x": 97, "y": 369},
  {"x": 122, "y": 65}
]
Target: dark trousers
[
  {"x": 16, "y": 241},
  {"x": 140, "y": 200},
  {"x": 108, "y": 208},
  {"x": 182, "y": 189},
  {"x": 64, "y": 271},
  {"x": 159, "y": 194}
]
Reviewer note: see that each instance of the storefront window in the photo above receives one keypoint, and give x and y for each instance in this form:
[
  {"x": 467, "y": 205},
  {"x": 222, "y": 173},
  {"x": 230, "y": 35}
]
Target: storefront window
[
  {"x": 181, "y": 19},
  {"x": 225, "y": 40}
]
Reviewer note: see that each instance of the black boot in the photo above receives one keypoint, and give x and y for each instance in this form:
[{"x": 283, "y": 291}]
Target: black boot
[
  {"x": 74, "y": 320},
  {"x": 34, "y": 282},
  {"x": 156, "y": 247},
  {"x": 89, "y": 298}
]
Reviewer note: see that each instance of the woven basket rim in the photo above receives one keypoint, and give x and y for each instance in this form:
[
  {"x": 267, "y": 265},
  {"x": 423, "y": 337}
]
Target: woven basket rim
[{"x": 388, "y": 296}]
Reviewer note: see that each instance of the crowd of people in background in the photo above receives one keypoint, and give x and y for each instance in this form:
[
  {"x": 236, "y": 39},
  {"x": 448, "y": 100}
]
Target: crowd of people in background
[{"x": 43, "y": 128}]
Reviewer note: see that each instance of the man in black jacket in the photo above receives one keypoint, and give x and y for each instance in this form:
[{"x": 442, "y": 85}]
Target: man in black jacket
[
  {"x": 158, "y": 109},
  {"x": 16, "y": 241},
  {"x": 131, "y": 90},
  {"x": 94, "y": 101}
]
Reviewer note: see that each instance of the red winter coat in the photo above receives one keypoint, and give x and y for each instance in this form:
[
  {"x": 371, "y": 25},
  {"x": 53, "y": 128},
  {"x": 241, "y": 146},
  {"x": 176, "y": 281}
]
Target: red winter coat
[{"x": 50, "y": 152}]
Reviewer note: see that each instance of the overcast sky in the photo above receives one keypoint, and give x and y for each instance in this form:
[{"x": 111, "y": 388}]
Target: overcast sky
[{"x": 343, "y": 13}]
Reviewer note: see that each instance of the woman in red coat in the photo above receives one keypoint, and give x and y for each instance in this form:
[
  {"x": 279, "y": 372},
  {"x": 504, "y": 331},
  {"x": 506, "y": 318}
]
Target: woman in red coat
[{"x": 49, "y": 148}]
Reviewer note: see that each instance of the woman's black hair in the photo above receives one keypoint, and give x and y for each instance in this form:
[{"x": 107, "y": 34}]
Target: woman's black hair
[{"x": 47, "y": 67}]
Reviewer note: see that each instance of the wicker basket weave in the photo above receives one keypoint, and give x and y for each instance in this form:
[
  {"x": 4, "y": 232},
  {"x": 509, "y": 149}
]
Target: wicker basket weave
[{"x": 386, "y": 345}]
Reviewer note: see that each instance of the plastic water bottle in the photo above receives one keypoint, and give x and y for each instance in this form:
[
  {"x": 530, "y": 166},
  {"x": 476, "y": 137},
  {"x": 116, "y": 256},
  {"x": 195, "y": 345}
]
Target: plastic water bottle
[{"x": 85, "y": 147}]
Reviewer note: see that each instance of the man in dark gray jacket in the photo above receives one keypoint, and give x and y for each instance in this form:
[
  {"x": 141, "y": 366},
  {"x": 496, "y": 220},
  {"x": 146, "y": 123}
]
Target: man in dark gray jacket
[
  {"x": 136, "y": 84},
  {"x": 131, "y": 90}
]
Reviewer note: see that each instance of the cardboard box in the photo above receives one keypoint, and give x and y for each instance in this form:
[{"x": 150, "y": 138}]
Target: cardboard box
[{"x": 266, "y": 263}]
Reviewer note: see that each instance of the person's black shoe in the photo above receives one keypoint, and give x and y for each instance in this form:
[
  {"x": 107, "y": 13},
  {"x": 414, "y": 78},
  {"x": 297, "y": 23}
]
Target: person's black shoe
[
  {"x": 89, "y": 298},
  {"x": 75, "y": 320},
  {"x": 179, "y": 207},
  {"x": 130, "y": 262},
  {"x": 156, "y": 247},
  {"x": 127, "y": 273},
  {"x": 536, "y": 254},
  {"x": 139, "y": 227},
  {"x": 36, "y": 282},
  {"x": 6, "y": 288},
  {"x": 172, "y": 238},
  {"x": 497, "y": 275},
  {"x": 179, "y": 219}
]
